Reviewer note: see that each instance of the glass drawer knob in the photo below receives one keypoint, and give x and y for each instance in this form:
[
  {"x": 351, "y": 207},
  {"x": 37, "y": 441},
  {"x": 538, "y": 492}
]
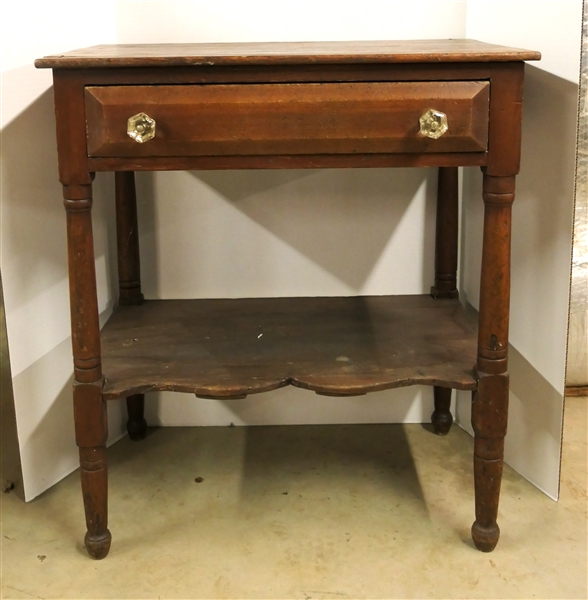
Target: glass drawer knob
[
  {"x": 141, "y": 128},
  {"x": 433, "y": 124}
]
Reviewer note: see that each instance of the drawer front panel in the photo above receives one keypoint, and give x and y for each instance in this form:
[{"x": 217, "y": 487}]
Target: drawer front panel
[{"x": 278, "y": 119}]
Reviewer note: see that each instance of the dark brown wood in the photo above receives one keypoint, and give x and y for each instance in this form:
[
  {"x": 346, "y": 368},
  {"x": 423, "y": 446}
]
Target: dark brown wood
[
  {"x": 310, "y": 118},
  {"x": 576, "y": 391},
  {"x": 446, "y": 235},
  {"x": 82, "y": 284},
  {"x": 129, "y": 275},
  {"x": 489, "y": 420},
  {"x": 300, "y": 105},
  {"x": 89, "y": 405},
  {"x": 490, "y": 407},
  {"x": 303, "y": 73},
  {"x": 127, "y": 238},
  {"x": 337, "y": 346},
  {"x": 70, "y": 117},
  {"x": 495, "y": 278},
  {"x": 91, "y": 432},
  {"x": 136, "y": 423},
  {"x": 325, "y": 53},
  {"x": 441, "y": 417},
  {"x": 314, "y": 161},
  {"x": 506, "y": 111}
]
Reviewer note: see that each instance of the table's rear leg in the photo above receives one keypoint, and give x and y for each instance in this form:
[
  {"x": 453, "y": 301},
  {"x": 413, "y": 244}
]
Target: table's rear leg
[
  {"x": 441, "y": 417},
  {"x": 129, "y": 276},
  {"x": 445, "y": 274},
  {"x": 446, "y": 234},
  {"x": 127, "y": 238},
  {"x": 136, "y": 424}
]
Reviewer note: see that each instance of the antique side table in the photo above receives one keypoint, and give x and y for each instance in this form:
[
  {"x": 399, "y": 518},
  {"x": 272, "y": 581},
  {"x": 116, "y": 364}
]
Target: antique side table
[{"x": 441, "y": 103}]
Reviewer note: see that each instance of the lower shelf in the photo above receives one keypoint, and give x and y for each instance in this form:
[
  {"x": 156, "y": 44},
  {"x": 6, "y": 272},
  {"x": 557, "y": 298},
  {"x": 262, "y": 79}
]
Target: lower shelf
[{"x": 334, "y": 346}]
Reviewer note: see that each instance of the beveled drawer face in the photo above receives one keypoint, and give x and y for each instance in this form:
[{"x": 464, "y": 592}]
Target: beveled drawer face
[{"x": 282, "y": 119}]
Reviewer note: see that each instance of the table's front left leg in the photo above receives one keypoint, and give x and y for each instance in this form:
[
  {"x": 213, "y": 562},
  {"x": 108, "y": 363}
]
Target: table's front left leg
[
  {"x": 490, "y": 402},
  {"x": 89, "y": 405}
]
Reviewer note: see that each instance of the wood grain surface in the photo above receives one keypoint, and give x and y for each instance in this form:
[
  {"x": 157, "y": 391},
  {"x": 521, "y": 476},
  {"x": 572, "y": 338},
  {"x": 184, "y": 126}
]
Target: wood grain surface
[
  {"x": 335, "y": 346},
  {"x": 288, "y": 161},
  {"x": 312, "y": 118},
  {"x": 175, "y": 55}
]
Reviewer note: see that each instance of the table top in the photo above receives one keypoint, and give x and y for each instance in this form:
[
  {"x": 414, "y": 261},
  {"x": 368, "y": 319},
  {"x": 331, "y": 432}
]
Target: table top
[{"x": 285, "y": 53}]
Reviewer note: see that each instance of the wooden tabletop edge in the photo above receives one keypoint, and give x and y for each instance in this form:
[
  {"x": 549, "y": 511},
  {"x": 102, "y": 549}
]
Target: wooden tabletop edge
[{"x": 283, "y": 53}]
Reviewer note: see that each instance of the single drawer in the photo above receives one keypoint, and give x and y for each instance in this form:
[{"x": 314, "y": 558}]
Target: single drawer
[{"x": 277, "y": 119}]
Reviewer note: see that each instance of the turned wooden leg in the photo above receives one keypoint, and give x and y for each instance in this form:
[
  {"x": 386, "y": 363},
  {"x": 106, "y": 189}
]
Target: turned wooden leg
[
  {"x": 491, "y": 399},
  {"x": 446, "y": 235},
  {"x": 490, "y": 403},
  {"x": 91, "y": 433},
  {"x": 89, "y": 406},
  {"x": 129, "y": 277},
  {"x": 441, "y": 417},
  {"x": 445, "y": 274},
  {"x": 136, "y": 424},
  {"x": 127, "y": 237}
]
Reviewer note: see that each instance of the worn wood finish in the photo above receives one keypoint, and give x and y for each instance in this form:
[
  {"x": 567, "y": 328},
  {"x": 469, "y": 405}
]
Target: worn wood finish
[
  {"x": 311, "y": 118},
  {"x": 127, "y": 239},
  {"x": 338, "y": 346},
  {"x": 576, "y": 391},
  {"x": 324, "y": 53},
  {"x": 441, "y": 417},
  {"x": 136, "y": 423},
  {"x": 506, "y": 112},
  {"x": 313, "y": 161},
  {"x": 304, "y": 73},
  {"x": 498, "y": 197},
  {"x": 490, "y": 407},
  {"x": 91, "y": 432},
  {"x": 89, "y": 406},
  {"x": 337, "y": 117},
  {"x": 89, "y": 403},
  {"x": 489, "y": 420},
  {"x": 129, "y": 277},
  {"x": 446, "y": 235}
]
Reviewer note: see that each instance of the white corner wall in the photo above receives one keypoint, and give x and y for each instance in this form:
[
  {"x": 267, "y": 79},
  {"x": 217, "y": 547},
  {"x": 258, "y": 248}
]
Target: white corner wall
[
  {"x": 33, "y": 245},
  {"x": 276, "y": 232}
]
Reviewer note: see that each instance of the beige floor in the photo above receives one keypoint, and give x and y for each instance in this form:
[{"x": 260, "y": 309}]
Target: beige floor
[{"x": 302, "y": 512}]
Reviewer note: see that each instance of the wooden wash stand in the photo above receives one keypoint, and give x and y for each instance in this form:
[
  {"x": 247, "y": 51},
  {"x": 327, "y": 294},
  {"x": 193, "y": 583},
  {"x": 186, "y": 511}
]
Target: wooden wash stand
[{"x": 437, "y": 103}]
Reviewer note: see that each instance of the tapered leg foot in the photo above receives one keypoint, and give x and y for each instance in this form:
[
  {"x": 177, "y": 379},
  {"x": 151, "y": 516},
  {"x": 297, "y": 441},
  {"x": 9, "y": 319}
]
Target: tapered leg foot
[
  {"x": 485, "y": 538},
  {"x": 98, "y": 546},
  {"x": 441, "y": 417},
  {"x": 91, "y": 433},
  {"x": 136, "y": 425},
  {"x": 489, "y": 412}
]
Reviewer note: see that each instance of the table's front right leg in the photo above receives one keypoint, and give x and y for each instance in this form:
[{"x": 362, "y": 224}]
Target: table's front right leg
[{"x": 490, "y": 402}]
